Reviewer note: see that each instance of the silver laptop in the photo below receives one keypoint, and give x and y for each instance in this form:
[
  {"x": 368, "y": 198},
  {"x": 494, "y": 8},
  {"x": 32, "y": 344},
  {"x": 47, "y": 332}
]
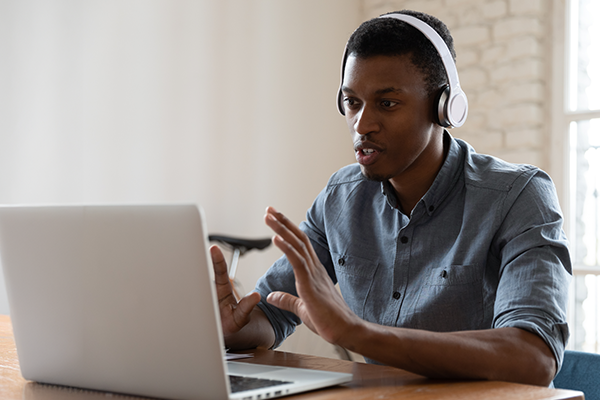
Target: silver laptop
[{"x": 120, "y": 298}]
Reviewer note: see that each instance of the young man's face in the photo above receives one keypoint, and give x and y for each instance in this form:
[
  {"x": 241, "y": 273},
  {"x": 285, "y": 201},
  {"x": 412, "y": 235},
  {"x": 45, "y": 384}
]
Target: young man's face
[{"x": 390, "y": 116}]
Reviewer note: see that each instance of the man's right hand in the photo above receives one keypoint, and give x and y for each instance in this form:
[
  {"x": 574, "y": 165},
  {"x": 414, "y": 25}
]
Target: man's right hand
[{"x": 234, "y": 315}]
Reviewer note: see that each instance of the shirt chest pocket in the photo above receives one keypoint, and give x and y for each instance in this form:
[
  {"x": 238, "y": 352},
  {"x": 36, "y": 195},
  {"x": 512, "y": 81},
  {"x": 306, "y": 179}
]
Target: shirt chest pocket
[
  {"x": 454, "y": 275},
  {"x": 355, "y": 279},
  {"x": 451, "y": 299}
]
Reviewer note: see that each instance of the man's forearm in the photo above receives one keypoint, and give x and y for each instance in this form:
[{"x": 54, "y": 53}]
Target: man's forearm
[
  {"x": 257, "y": 333},
  {"x": 508, "y": 354}
]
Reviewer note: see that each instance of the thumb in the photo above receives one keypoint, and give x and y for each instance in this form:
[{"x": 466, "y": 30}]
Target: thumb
[
  {"x": 244, "y": 308},
  {"x": 293, "y": 304},
  {"x": 285, "y": 301},
  {"x": 235, "y": 316}
]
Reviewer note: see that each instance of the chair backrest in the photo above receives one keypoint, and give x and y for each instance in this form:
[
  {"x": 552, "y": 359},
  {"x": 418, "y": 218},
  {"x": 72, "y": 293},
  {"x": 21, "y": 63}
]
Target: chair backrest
[{"x": 580, "y": 371}]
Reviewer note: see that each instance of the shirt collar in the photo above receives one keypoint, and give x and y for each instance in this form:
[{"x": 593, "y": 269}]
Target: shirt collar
[{"x": 440, "y": 188}]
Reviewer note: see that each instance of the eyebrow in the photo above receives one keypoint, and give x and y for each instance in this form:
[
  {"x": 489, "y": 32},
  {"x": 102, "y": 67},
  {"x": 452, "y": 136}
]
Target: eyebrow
[{"x": 380, "y": 91}]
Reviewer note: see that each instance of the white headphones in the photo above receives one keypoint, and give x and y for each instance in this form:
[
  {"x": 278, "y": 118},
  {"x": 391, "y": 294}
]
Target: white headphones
[{"x": 452, "y": 107}]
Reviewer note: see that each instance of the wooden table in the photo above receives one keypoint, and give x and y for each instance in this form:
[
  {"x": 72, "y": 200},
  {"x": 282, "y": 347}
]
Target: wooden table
[{"x": 370, "y": 381}]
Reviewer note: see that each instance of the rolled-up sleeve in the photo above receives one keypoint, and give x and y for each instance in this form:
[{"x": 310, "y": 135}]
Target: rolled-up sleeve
[{"x": 536, "y": 267}]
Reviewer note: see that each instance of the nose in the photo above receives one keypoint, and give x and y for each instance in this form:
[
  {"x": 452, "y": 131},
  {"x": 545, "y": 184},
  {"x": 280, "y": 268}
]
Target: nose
[{"x": 365, "y": 121}]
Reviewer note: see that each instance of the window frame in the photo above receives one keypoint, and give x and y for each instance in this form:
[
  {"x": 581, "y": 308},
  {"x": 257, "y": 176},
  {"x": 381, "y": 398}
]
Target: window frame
[
  {"x": 561, "y": 117},
  {"x": 561, "y": 160}
]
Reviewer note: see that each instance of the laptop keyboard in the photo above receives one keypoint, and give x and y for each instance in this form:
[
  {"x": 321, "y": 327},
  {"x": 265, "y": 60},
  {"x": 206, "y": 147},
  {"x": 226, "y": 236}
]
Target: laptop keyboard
[{"x": 241, "y": 383}]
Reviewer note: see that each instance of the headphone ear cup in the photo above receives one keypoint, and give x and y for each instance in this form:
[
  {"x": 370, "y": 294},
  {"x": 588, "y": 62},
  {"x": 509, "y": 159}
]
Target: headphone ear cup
[
  {"x": 340, "y": 102},
  {"x": 441, "y": 107}
]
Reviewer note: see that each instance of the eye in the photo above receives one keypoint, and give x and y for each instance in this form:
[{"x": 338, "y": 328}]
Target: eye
[
  {"x": 350, "y": 102},
  {"x": 388, "y": 103}
]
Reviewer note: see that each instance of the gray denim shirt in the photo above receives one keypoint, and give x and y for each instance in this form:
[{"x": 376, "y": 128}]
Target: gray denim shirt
[{"x": 484, "y": 248}]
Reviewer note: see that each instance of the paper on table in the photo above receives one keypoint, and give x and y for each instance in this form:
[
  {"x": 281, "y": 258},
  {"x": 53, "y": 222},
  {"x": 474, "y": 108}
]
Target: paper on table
[{"x": 233, "y": 356}]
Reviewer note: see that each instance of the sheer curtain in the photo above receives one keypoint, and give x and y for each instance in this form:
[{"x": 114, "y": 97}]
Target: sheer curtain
[{"x": 228, "y": 104}]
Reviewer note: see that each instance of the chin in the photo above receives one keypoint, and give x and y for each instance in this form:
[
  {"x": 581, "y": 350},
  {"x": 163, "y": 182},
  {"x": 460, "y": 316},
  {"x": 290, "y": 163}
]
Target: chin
[{"x": 373, "y": 175}]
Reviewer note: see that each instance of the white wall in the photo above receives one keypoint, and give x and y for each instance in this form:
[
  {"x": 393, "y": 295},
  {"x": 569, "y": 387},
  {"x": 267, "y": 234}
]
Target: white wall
[{"x": 230, "y": 104}]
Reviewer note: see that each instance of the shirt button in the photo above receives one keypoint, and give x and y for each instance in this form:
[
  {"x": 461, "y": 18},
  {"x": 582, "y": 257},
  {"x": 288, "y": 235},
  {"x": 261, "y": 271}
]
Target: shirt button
[
  {"x": 341, "y": 261},
  {"x": 404, "y": 239},
  {"x": 396, "y": 295},
  {"x": 431, "y": 208}
]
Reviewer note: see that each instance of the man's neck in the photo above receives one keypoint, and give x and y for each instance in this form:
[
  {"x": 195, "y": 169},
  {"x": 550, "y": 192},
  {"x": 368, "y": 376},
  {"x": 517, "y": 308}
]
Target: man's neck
[{"x": 411, "y": 187}]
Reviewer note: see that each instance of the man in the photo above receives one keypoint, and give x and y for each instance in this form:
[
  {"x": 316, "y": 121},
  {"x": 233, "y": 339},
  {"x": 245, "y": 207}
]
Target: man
[{"x": 451, "y": 264}]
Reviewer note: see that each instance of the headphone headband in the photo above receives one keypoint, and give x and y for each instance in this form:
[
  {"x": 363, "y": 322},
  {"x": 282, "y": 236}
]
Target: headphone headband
[{"x": 453, "y": 107}]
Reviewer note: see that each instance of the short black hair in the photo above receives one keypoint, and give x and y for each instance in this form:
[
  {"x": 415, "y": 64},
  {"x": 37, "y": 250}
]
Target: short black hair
[{"x": 392, "y": 37}]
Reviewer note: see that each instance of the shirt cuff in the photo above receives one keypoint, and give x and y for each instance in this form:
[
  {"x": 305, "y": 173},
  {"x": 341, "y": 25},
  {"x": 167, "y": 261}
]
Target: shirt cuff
[{"x": 555, "y": 334}]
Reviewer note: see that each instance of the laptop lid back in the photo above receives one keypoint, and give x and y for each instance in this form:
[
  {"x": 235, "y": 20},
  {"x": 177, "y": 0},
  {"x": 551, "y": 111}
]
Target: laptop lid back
[{"x": 114, "y": 298}]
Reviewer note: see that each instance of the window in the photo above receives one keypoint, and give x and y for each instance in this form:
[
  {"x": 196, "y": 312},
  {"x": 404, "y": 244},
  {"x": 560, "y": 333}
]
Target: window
[{"x": 579, "y": 124}]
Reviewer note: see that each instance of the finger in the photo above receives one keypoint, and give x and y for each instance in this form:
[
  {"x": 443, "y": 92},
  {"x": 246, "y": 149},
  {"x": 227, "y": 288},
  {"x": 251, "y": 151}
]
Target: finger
[
  {"x": 285, "y": 221},
  {"x": 299, "y": 251},
  {"x": 294, "y": 257},
  {"x": 297, "y": 238},
  {"x": 289, "y": 232},
  {"x": 285, "y": 301},
  {"x": 245, "y": 307},
  {"x": 291, "y": 303},
  {"x": 222, "y": 281},
  {"x": 241, "y": 311}
]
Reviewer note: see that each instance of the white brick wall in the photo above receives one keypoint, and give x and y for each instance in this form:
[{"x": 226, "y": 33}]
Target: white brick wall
[{"x": 502, "y": 67}]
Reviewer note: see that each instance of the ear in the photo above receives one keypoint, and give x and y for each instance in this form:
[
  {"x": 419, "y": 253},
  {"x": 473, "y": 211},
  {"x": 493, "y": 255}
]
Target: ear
[{"x": 440, "y": 107}]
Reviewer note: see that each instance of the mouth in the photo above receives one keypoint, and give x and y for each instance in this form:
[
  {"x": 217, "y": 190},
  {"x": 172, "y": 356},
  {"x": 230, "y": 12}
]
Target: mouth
[{"x": 367, "y": 153}]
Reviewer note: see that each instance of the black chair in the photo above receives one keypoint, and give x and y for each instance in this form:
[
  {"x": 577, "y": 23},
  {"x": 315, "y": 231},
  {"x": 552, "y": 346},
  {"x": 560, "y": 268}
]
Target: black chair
[{"x": 580, "y": 371}]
